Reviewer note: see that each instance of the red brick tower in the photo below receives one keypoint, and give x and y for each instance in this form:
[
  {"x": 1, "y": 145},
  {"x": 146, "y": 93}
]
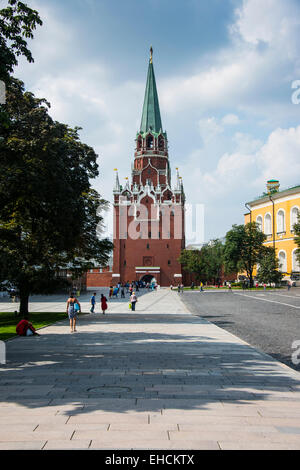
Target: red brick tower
[{"x": 148, "y": 213}]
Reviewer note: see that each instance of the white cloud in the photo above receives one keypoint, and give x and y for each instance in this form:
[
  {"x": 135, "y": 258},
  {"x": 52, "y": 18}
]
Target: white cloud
[
  {"x": 273, "y": 22},
  {"x": 209, "y": 128},
  {"x": 231, "y": 120},
  {"x": 279, "y": 156}
]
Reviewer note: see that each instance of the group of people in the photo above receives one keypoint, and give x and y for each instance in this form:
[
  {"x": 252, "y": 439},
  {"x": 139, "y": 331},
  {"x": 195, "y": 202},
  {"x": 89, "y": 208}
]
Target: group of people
[
  {"x": 130, "y": 288},
  {"x": 25, "y": 328}
]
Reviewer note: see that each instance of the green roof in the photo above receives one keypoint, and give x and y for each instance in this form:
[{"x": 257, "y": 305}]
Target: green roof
[
  {"x": 151, "y": 120},
  {"x": 264, "y": 195}
]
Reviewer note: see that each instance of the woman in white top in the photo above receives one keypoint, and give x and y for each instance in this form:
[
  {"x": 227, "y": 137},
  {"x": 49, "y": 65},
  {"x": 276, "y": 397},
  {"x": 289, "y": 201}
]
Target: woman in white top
[{"x": 133, "y": 301}]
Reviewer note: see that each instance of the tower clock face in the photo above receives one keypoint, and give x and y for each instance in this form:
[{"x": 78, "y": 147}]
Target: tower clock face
[{"x": 148, "y": 261}]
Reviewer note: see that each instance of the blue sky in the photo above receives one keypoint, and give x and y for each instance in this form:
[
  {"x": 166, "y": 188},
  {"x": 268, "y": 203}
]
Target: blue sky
[{"x": 224, "y": 71}]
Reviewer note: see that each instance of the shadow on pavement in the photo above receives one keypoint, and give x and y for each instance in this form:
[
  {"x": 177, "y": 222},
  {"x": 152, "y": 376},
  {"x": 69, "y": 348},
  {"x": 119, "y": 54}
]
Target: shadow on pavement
[{"x": 121, "y": 371}]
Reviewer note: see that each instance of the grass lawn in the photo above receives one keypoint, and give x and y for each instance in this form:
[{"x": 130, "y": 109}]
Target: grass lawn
[{"x": 8, "y": 322}]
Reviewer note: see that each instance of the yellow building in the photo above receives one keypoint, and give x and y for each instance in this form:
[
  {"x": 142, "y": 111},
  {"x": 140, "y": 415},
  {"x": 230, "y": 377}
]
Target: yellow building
[{"x": 276, "y": 212}]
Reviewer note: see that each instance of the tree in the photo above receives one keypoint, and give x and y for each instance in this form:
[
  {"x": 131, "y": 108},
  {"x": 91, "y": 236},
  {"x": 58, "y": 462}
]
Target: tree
[
  {"x": 49, "y": 212},
  {"x": 243, "y": 248},
  {"x": 296, "y": 229},
  {"x": 268, "y": 269},
  {"x": 17, "y": 23},
  {"x": 206, "y": 263},
  {"x": 193, "y": 262}
]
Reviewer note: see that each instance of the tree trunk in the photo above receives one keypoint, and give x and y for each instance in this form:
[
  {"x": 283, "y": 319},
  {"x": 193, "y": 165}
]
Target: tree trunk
[
  {"x": 251, "y": 279},
  {"x": 24, "y": 298}
]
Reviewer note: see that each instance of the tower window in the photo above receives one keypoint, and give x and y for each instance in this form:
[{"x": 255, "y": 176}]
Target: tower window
[
  {"x": 161, "y": 143},
  {"x": 150, "y": 142},
  {"x": 148, "y": 246}
]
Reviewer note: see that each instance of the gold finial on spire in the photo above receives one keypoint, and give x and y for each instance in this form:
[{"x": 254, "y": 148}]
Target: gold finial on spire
[{"x": 151, "y": 55}]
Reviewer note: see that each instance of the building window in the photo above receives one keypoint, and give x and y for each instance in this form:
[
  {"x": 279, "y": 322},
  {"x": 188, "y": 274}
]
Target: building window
[
  {"x": 268, "y": 224},
  {"x": 124, "y": 263},
  {"x": 294, "y": 217},
  {"x": 148, "y": 246},
  {"x": 282, "y": 261},
  {"x": 169, "y": 262},
  {"x": 259, "y": 222},
  {"x": 280, "y": 221}
]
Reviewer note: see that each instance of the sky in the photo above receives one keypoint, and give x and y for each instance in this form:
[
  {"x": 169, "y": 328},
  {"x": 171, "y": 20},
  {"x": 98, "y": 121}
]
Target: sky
[{"x": 224, "y": 72}]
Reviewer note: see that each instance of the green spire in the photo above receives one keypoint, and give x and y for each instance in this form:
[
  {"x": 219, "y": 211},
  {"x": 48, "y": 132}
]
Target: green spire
[{"x": 151, "y": 119}]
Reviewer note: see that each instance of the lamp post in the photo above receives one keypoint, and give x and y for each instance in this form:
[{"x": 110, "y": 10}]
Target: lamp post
[{"x": 250, "y": 251}]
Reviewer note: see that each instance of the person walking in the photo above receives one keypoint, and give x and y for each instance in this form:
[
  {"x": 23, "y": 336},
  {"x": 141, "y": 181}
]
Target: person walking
[
  {"x": 93, "y": 302},
  {"x": 110, "y": 292},
  {"x": 122, "y": 292},
  {"x": 73, "y": 306},
  {"x": 103, "y": 303},
  {"x": 133, "y": 301}
]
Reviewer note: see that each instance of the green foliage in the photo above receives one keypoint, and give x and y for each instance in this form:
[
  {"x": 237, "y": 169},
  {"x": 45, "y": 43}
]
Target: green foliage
[
  {"x": 49, "y": 213},
  {"x": 243, "y": 248},
  {"x": 297, "y": 236},
  {"x": 17, "y": 23},
  {"x": 206, "y": 263},
  {"x": 268, "y": 271}
]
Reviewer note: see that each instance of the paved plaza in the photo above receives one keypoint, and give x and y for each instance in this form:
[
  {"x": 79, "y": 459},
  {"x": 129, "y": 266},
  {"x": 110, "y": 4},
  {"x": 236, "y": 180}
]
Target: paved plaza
[{"x": 159, "y": 378}]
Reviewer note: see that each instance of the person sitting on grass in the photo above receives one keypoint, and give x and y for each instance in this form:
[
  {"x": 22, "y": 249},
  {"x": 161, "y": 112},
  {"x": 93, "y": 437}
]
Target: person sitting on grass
[{"x": 25, "y": 328}]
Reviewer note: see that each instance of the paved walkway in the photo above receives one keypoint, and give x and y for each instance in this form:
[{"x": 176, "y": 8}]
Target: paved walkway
[{"x": 161, "y": 378}]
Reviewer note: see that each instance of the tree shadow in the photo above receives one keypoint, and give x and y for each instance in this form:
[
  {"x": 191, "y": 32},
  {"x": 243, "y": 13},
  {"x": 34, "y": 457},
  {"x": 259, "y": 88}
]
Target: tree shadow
[{"x": 123, "y": 371}]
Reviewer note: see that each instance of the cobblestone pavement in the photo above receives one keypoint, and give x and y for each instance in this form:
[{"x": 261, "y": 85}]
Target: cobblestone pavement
[
  {"x": 269, "y": 321},
  {"x": 159, "y": 378}
]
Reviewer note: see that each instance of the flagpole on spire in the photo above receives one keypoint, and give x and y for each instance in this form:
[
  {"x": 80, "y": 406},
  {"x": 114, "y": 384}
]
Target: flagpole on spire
[{"x": 151, "y": 55}]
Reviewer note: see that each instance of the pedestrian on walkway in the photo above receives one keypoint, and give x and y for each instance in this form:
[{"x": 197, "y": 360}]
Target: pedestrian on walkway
[
  {"x": 93, "y": 302},
  {"x": 73, "y": 306},
  {"x": 103, "y": 303},
  {"x": 122, "y": 292},
  {"x": 201, "y": 287},
  {"x": 133, "y": 301},
  {"x": 115, "y": 292}
]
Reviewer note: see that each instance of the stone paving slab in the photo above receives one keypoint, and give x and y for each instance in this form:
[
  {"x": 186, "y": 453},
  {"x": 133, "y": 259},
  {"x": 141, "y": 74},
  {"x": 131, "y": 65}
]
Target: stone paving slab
[{"x": 159, "y": 378}]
